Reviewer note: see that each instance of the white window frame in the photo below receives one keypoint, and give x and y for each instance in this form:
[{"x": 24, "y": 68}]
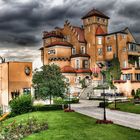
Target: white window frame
[
  {"x": 124, "y": 64},
  {"x": 82, "y": 49},
  {"x": 109, "y": 48},
  {"x": 100, "y": 51},
  {"x": 73, "y": 51},
  {"x": 99, "y": 40},
  {"x": 77, "y": 63}
]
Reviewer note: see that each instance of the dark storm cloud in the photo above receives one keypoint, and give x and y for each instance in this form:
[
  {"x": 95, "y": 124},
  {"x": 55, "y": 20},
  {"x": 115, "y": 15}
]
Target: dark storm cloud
[
  {"x": 23, "y": 21},
  {"x": 130, "y": 10}
]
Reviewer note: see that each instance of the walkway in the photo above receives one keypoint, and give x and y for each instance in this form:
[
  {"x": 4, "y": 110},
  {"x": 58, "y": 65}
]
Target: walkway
[{"x": 89, "y": 108}]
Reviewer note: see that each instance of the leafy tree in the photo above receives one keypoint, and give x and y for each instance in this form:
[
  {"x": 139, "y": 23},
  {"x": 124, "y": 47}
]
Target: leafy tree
[
  {"x": 48, "y": 81},
  {"x": 83, "y": 83},
  {"x": 115, "y": 69}
]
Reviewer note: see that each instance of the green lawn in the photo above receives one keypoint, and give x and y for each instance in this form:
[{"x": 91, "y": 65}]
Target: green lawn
[
  {"x": 127, "y": 107},
  {"x": 74, "y": 126}
]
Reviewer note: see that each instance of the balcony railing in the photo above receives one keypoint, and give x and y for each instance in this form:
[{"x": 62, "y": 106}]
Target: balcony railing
[{"x": 133, "y": 49}]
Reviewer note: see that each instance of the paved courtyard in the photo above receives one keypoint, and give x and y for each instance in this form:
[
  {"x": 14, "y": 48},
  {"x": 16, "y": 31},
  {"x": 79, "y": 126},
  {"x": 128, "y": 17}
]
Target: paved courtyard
[{"x": 89, "y": 108}]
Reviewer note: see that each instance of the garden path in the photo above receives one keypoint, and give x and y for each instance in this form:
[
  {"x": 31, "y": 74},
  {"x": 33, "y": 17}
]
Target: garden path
[{"x": 89, "y": 108}]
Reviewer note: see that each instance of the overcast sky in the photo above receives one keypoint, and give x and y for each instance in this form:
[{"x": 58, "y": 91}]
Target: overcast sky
[{"x": 23, "y": 21}]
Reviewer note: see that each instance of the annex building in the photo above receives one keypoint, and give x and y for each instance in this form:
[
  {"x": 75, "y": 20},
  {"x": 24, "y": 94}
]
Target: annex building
[
  {"x": 15, "y": 80},
  {"x": 77, "y": 50}
]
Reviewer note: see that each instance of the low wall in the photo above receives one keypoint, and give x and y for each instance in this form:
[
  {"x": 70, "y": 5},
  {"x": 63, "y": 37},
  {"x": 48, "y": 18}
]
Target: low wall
[{"x": 127, "y": 87}]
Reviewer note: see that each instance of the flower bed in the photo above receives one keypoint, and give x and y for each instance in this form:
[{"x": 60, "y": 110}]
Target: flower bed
[
  {"x": 68, "y": 110},
  {"x": 104, "y": 122},
  {"x": 24, "y": 128}
]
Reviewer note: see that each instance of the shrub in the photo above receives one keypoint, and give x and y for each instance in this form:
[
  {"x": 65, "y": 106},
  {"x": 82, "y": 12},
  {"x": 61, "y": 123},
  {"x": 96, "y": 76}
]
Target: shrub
[
  {"x": 137, "y": 95},
  {"x": 1, "y": 111},
  {"x": 48, "y": 107},
  {"x": 101, "y": 104},
  {"x": 21, "y": 104},
  {"x": 59, "y": 100},
  {"x": 133, "y": 93}
]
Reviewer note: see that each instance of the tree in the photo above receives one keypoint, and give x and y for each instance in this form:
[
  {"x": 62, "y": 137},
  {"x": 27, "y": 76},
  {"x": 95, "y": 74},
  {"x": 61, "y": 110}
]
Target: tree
[
  {"x": 115, "y": 69},
  {"x": 48, "y": 81}
]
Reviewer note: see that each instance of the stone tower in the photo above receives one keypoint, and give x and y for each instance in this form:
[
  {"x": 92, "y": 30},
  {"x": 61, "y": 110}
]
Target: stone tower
[{"x": 95, "y": 23}]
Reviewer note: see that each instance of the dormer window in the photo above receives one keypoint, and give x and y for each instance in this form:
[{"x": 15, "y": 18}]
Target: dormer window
[{"x": 73, "y": 51}]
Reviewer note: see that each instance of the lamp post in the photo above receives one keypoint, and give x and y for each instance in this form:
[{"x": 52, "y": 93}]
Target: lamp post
[
  {"x": 100, "y": 65},
  {"x": 103, "y": 74},
  {"x": 69, "y": 98}
]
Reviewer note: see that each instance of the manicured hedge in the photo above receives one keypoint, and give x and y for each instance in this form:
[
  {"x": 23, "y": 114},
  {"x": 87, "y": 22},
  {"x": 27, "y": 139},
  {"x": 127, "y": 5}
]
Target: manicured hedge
[
  {"x": 101, "y": 104},
  {"x": 65, "y": 101},
  {"x": 48, "y": 107}
]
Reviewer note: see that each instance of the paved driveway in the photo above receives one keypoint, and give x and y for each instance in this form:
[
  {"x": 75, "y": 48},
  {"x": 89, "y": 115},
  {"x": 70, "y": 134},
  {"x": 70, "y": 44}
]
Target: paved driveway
[{"x": 90, "y": 108}]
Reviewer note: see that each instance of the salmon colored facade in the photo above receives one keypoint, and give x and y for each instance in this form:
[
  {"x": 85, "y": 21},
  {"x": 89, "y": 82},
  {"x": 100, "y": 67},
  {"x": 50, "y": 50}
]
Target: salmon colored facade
[
  {"x": 77, "y": 50},
  {"x": 16, "y": 79}
]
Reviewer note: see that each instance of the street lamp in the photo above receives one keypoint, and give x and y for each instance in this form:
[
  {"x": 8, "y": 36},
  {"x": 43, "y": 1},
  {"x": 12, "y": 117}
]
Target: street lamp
[
  {"x": 69, "y": 98},
  {"x": 100, "y": 65}
]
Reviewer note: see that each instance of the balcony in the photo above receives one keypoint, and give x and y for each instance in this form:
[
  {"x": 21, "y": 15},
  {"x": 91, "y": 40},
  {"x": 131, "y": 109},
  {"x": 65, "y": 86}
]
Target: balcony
[{"x": 133, "y": 49}]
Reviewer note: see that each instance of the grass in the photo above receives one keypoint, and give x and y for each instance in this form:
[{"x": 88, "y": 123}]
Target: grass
[
  {"x": 74, "y": 126},
  {"x": 127, "y": 107}
]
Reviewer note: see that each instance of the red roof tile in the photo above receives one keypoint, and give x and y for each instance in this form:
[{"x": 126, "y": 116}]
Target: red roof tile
[
  {"x": 119, "y": 81},
  {"x": 68, "y": 69},
  {"x": 80, "y": 32},
  {"x": 99, "y": 31},
  {"x": 52, "y": 34},
  {"x": 59, "y": 43},
  {"x": 83, "y": 71},
  {"x": 95, "y": 12}
]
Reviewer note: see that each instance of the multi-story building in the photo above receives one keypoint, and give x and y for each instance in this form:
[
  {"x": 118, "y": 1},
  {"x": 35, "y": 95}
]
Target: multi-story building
[
  {"x": 77, "y": 50},
  {"x": 15, "y": 80}
]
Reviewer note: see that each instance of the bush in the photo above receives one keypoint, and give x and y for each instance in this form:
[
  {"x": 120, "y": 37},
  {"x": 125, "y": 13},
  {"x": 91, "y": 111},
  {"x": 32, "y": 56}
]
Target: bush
[
  {"x": 133, "y": 93},
  {"x": 137, "y": 95},
  {"x": 1, "y": 111},
  {"x": 21, "y": 104},
  {"x": 60, "y": 101},
  {"x": 101, "y": 104},
  {"x": 48, "y": 107}
]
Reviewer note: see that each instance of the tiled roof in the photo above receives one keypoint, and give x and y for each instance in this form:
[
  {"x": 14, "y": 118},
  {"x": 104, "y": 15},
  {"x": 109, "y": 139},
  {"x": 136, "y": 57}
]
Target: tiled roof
[
  {"x": 99, "y": 31},
  {"x": 59, "y": 43},
  {"x": 68, "y": 69},
  {"x": 80, "y": 55},
  {"x": 52, "y": 34},
  {"x": 95, "y": 12},
  {"x": 83, "y": 71},
  {"x": 119, "y": 81},
  {"x": 80, "y": 32}
]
